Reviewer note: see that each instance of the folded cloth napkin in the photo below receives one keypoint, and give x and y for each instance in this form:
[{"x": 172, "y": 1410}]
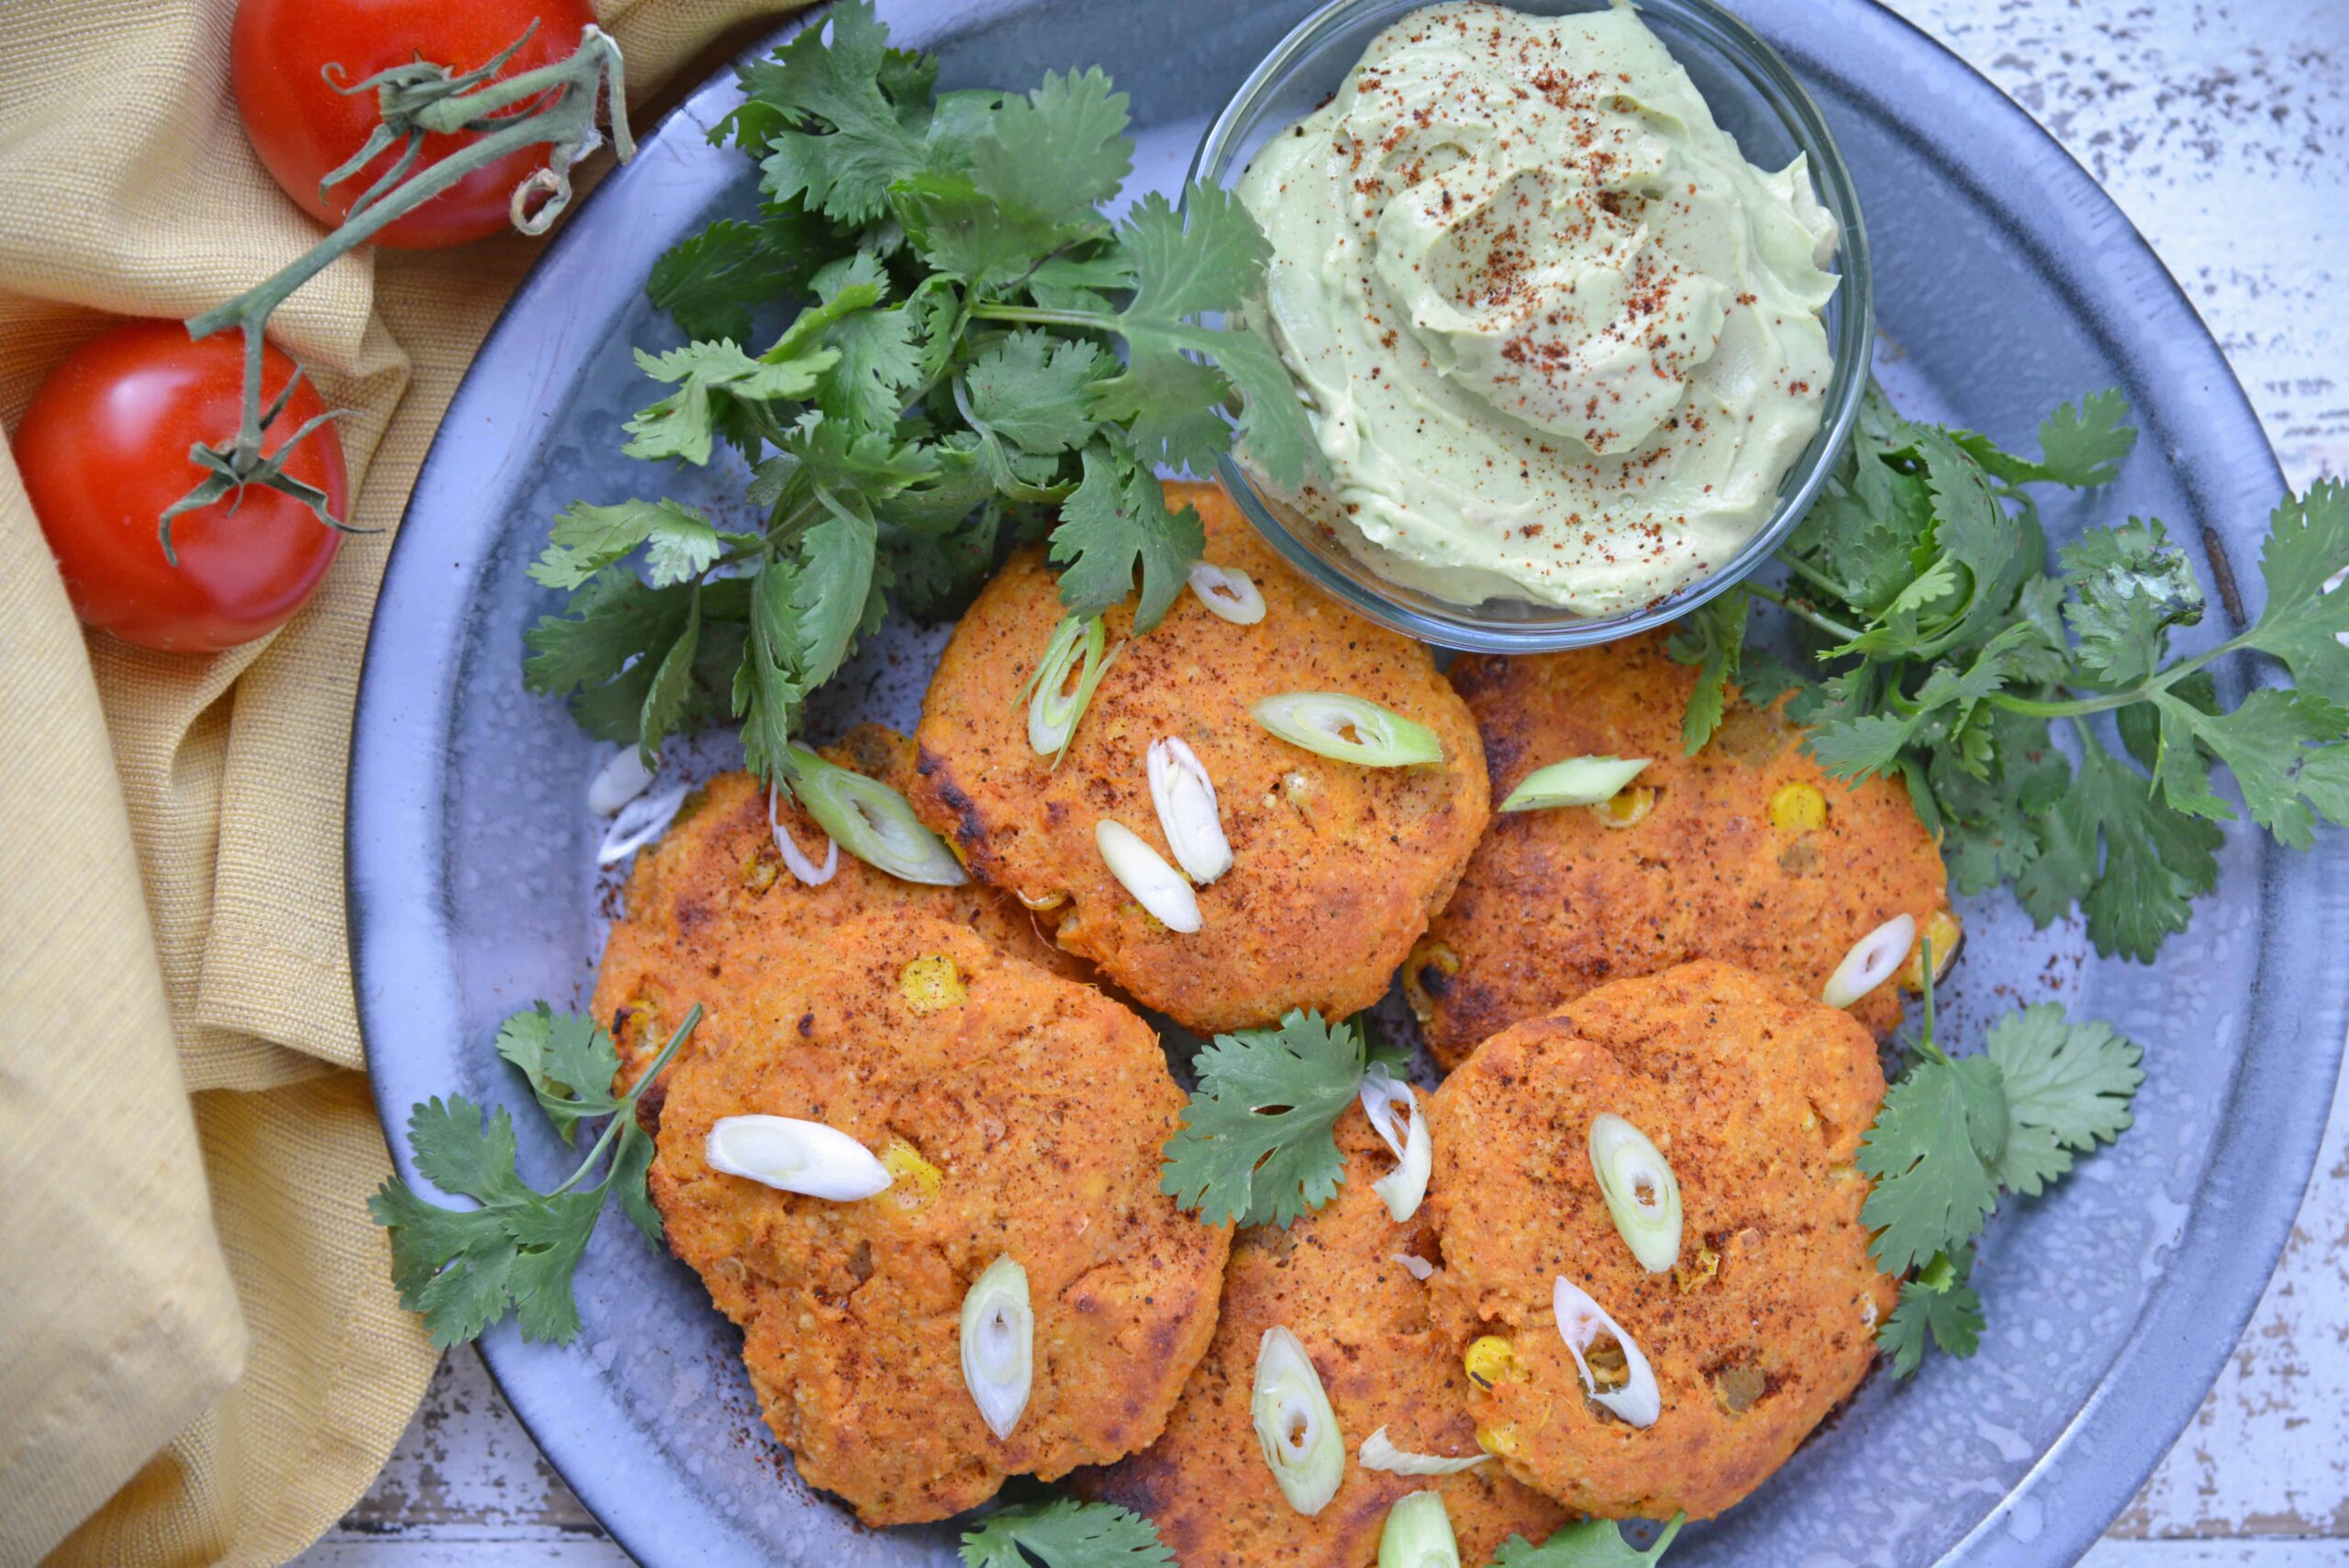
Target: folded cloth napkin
[{"x": 201, "y": 1357}]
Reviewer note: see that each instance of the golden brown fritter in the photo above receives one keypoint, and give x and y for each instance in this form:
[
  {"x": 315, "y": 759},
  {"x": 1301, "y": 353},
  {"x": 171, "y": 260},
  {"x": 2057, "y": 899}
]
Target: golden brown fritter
[
  {"x": 1331, "y": 1279},
  {"x": 1758, "y": 1097},
  {"x": 713, "y": 897},
  {"x": 1336, "y": 867},
  {"x": 1555, "y": 902},
  {"x": 1039, "y": 1107}
]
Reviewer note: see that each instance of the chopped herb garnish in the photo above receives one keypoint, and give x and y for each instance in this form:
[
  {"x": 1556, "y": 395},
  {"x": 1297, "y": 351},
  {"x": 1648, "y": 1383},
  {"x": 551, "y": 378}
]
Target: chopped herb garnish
[
  {"x": 1257, "y": 1145},
  {"x": 981, "y": 356},
  {"x": 1065, "y": 1533},
  {"x": 1947, "y": 655},
  {"x": 1955, "y": 1133},
  {"x": 465, "y": 1269}
]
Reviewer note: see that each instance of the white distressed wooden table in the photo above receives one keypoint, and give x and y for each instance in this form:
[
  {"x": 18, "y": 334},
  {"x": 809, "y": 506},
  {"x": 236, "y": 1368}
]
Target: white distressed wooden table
[{"x": 2223, "y": 128}]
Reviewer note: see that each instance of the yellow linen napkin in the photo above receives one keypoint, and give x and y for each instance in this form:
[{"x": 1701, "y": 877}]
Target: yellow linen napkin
[{"x": 201, "y": 1358}]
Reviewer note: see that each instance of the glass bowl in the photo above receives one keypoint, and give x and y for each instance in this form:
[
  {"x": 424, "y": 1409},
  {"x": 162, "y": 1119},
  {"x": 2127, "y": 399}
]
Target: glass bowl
[{"x": 1758, "y": 100}]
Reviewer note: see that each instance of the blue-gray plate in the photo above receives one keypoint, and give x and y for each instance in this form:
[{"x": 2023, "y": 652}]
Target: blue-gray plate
[{"x": 2006, "y": 282}]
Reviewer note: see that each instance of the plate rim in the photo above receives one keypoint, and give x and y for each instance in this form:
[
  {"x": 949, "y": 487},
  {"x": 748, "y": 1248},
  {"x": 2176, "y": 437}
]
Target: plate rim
[{"x": 2101, "y": 1455}]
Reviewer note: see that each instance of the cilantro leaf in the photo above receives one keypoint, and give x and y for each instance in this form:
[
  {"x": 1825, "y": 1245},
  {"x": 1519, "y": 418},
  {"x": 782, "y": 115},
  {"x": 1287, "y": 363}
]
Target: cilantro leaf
[
  {"x": 848, "y": 145},
  {"x": 1058, "y": 151},
  {"x": 2081, "y": 445},
  {"x": 1065, "y": 1533},
  {"x": 830, "y": 597},
  {"x": 1711, "y": 636},
  {"x": 1032, "y": 390},
  {"x": 665, "y": 698},
  {"x": 1256, "y": 1147},
  {"x": 1116, "y": 519},
  {"x": 587, "y": 539},
  {"x": 569, "y": 1060},
  {"x": 2307, "y": 548},
  {"x": 1594, "y": 1543},
  {"x": 2127, "y": 587},
  {"x": 1933, "y": 1152},
  {"x": 2067, "y": 1088},
  {"x": 878, "y": 362},
  {"x": 2154, "y": 860},
  {"x": 767, "y": 688},
  {"x": 1937, "y": 1304},
  {"x": 709, "y": 282},
  {"x": 709, "y": 377}
]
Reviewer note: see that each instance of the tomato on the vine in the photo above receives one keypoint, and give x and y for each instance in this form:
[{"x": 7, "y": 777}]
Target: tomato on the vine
[
  {"x": 104, "y": 452},
  {"x": 303, "y": 129}
]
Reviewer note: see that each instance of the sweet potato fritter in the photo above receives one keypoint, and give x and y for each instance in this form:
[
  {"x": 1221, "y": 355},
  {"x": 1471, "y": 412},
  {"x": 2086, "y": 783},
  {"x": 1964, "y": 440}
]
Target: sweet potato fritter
[
  {"x": 1751, "y": 853},
  {"x": 1758, "y": 1097},
  {"x": 1333, "y": 1279},
  {"x": 1022, "y": 1115},
  {"x": 713, "y": 895},
  {"x": 1336, "y": 867}
]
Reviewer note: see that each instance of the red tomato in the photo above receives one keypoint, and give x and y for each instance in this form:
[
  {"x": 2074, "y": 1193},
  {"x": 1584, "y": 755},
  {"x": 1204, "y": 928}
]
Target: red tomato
[
  {"x": 104, "y": 451},
  {"x": 303, "y": 129}
]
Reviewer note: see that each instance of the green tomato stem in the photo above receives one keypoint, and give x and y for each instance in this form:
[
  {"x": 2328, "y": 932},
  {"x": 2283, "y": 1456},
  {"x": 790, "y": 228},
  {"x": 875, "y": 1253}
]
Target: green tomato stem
[{"x": 418, "y": 100}]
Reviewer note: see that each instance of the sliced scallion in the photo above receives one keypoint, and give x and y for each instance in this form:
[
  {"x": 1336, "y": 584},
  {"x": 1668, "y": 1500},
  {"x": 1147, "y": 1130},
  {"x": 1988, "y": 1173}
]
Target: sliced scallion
[
  {"x": 794, "y": 859},
  {"x": 1641, "y": 1192},
  {"x": 1228, "y": 592},
  {"x": 621, "y": 779},
  {"x": 1379, "y": 1453},
  {"x": 1054, "y": 706},
  {"x": 639, "y": 822},
  {"x": 1577, "y": 781},
  {"x": 1348, "y": 730},
  {"x": 1184, "y": 796},
  {"x": 1294, "y": 1425},
  {"x": 999, "y": 1344},
  {"x": 870, "y": 820},
  {"x": 1142, "y": 871},
  {"x": 1871, "y": 962},
  {"x": 1419, "y": 1534},
  {"x": 1581, "y": 1321},
  {"x": 1401, "y": 1188},
  {"x": 794, "y": 1156}
]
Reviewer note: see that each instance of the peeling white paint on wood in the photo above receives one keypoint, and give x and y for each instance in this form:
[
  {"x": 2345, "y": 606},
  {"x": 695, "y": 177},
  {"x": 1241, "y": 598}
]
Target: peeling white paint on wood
[{"x": 2222, "y": 130}]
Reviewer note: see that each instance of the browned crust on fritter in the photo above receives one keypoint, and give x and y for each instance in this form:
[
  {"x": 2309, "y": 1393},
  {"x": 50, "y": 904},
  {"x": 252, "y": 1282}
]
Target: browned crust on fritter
[
  {"x": 1554, "y": 902},
  {"x": 713, "y": 897},
  {"x": 1043, "y": 1105},
  {"x": 1331, "y": 1279},
  {"x": 1336, "y": 868},
  {"x": 1758, "y": 1097}
]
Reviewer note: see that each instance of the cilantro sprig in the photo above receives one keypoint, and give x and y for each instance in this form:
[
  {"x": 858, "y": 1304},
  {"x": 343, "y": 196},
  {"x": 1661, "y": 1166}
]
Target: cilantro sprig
[
  {"x": 980, "y": 356},
  {"x": 1949, "y": 656},
  {"x": 465, "y": 1269},
  {"x": 1065, "y": 1533},
  {"x": 1955, "y": 1132},
  {"x": 1256, "y": 1146}
]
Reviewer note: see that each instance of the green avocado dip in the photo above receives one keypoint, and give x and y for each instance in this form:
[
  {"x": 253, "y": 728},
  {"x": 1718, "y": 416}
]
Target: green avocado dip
[{"x": 1559, "y": 341}]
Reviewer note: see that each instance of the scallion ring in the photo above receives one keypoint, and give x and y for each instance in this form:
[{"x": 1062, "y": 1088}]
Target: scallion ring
[
  {"x": 1580, "y": 1322},
  {"x": 1228, "y": 592},
  {"x": 1184, "y": 796},
  {"x": 621, "y": 779},
  {"x": 1418, "y": 1268},
  {"x": 1873, "y": 960},
  {"x": 1401, "y": 1188},
  {"x": 1348, "y": 730},
  {"x": 1054, "y": 706},
  {"x": 794, "y": 859},
  {"x": 1577, "y": 781},
  {"x": 870, "y": 820},
  {"x": 999, "y": 1344},
  {"x": 1417, "y": 1534},
  {"x": 1379, "y": 1453},
  {"x": 1641, "y": 1192},
  {"x": 794, "y": 1156},
  {"x": 639, "y": 822},
  {"x": 1144, "y": 872},
  {"x": 1294, "y": 1425}
]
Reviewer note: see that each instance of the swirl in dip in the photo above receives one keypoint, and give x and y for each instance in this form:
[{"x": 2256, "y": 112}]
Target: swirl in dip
[{"x": 1559, "y": 341}]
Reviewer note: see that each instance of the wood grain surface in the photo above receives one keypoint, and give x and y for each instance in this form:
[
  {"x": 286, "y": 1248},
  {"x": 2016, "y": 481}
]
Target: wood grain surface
[{"x": 2222, "y": 130}]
